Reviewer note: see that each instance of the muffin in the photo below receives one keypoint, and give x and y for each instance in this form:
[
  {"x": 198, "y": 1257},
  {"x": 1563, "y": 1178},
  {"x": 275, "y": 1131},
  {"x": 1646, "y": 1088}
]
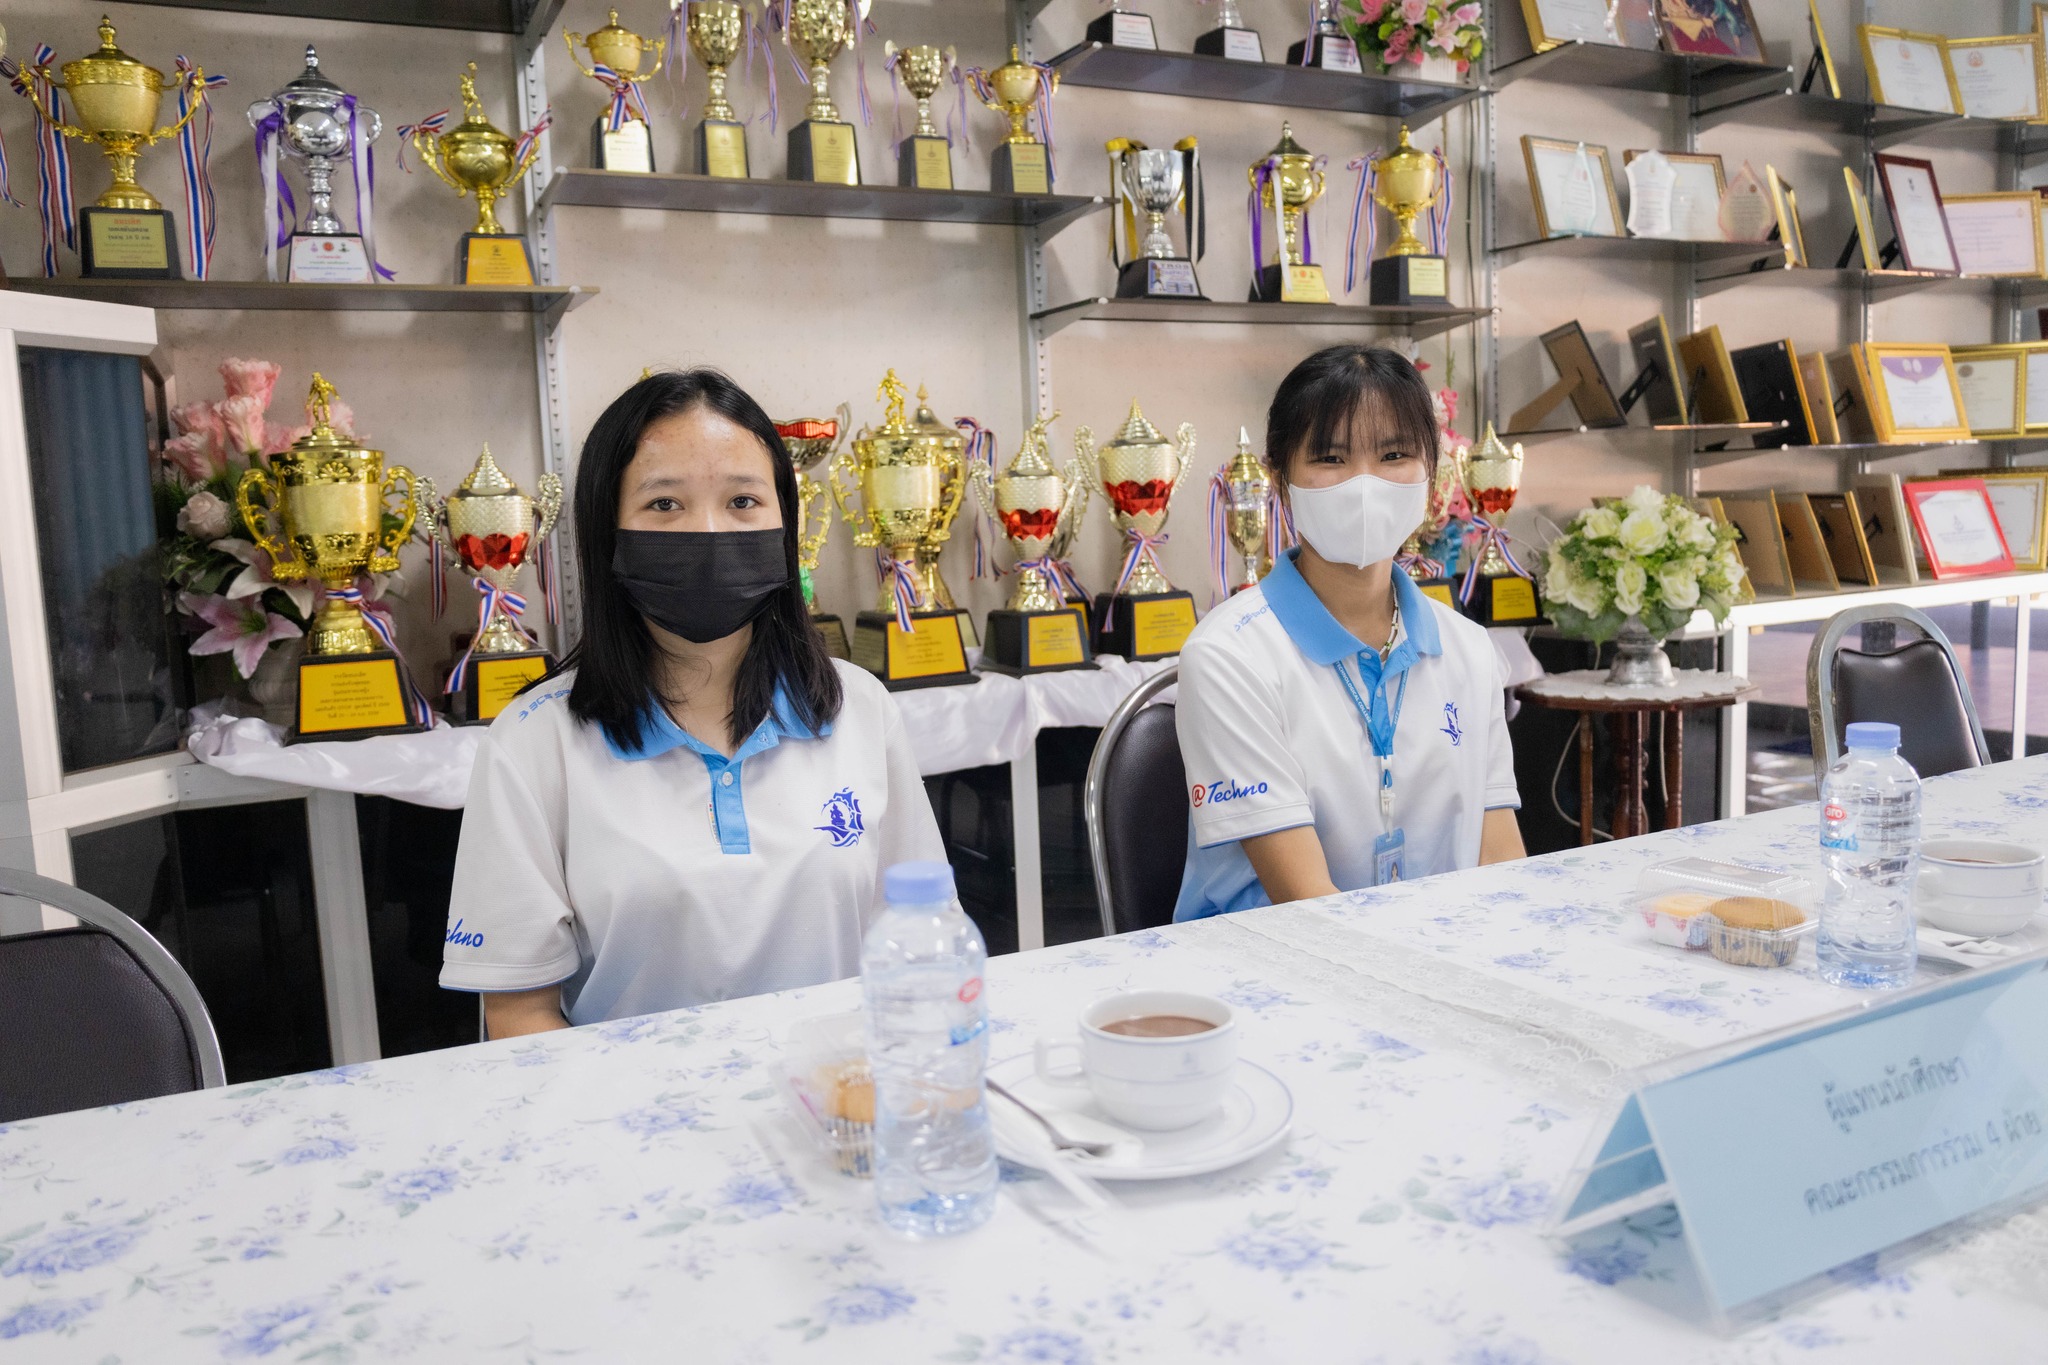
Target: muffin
[
  {"x": 1675, "y": 918},
  {"x": 1754, "y": 931}
]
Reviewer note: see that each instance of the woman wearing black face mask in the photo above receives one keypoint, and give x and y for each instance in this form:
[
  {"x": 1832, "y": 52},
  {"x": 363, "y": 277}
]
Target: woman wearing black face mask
[{"x": 700, "y": 805}]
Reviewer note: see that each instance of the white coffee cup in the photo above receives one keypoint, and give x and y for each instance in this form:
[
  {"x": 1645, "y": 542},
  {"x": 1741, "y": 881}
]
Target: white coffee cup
[
  {"x": 1978, "y": 887},
  {"x": 1157, "y": 1083}
]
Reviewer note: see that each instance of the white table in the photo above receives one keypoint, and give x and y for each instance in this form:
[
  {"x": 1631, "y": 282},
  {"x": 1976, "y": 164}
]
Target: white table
[{"x": 631, "y": 1191}]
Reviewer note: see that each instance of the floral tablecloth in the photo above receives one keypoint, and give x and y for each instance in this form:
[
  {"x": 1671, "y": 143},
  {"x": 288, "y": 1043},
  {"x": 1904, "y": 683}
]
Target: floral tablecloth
[{"x": 634, "y": 1191}]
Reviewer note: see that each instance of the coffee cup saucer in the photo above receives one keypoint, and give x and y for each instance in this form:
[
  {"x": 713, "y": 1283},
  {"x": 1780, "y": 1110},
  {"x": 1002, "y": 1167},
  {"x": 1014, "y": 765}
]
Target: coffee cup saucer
[{"x": 1254, "y": 1116}]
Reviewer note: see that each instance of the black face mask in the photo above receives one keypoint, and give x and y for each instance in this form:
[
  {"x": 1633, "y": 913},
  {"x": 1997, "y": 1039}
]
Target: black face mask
[{"x": 701, "y": 585}]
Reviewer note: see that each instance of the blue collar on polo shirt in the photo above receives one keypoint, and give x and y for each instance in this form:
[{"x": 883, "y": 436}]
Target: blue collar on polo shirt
[{"x": 1320, "y": 637}]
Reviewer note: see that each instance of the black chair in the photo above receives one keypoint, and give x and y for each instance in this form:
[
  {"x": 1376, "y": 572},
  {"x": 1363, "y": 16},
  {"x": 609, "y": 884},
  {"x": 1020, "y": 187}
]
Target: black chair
[
  {"x": 1918, "y": 686},
  {"x": 1136, "y": 802},
  {"x": 100, "y": 1014}
]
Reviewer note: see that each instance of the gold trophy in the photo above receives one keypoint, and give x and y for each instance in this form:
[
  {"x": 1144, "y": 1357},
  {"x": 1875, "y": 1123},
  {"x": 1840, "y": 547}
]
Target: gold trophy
[
  {"x": 1407, "y": 184},
  {"x": 324, "y": 512},
  {"x": 492, "y": 528},
  {"x": 717, "y": 30},
  {"x": 125, "y": 233},
  {"x": 1246, "y": 490},
  {"x": 1013, "y": 90},
  {"x": 1144, "y": 616},
  {"x": 909, "y": 482},
  {"x": 810, "y": 442},
  {"x": 925, "y": 158},
  {"x": 1287, "y": 180},
  {"x": 1037, "y": 632},
  {"x": 619, "y": 140},
  {"x": 476, "y": 158},
  {"x": 822, "y": 146},
  {"x": 1495, "y": 590}
]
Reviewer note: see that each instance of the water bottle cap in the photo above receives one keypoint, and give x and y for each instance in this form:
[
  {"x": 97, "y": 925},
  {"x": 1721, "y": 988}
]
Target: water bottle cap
[
  {"x": 1873, "y": 734},
  {"x": 918, "y": 883}
]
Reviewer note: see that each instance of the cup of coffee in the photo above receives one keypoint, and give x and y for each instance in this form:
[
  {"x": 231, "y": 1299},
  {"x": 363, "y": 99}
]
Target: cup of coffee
[
  {"x": 1153, "y": 1059},
  {"x": 1978, "y": 887}
]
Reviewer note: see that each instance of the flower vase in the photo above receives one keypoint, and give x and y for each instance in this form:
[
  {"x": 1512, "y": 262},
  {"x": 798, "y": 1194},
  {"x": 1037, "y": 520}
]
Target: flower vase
[
  {"x": 1639, "y": 658},
  {"x": 275, "y": 685}
]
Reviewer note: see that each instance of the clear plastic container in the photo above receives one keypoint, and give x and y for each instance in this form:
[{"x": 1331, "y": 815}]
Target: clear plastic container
[
  {"x": 825, "y": 1075},
  {"x": 1743, "y": 915}
]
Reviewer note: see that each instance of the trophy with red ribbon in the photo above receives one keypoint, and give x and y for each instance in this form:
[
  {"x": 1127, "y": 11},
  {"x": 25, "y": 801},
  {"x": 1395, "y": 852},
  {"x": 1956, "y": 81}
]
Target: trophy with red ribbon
[
  {"x": 1037, "y": 631},
  {"x": 492, "y": 528},
  {"x": 1495, "y": 590},
  {"x": 1143, "y": 616}
]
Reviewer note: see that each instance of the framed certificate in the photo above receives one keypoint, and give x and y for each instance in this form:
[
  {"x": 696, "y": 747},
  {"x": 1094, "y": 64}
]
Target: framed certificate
[
  {"x": 1958, "y": 527},
  {"x": 1913, "y": 393},
  {"x": 1657, "y": 370},
  {"x": 1573, "y": 187},
  {"x": 1820, "y": 398},
  {"x": 1760, "y": 540},
  {"x": 1710, "y": 378},
  {"x": 1852, "y": 397},
  {"x": 1841, "y": 528},
  {"x": 1553, "y": 23},
  {"x": 1859, "y": 210},
  {"x": 1914, "y": 198},
  {"x": 1909, "y": 70},
  {"x": 1999, "y": 77},
  {"x": 1806, "y": 546},
  {"x": 1773, "y": 391},
  {"x": 1711, "y": 28},
  {"x": 1996, "y": 234},
  {"x": 1823, "y": 60},
  {"x": 1887, "y": 527},
  {"x": 1695, "y": 195},
  {"x": 2020, "y": 498},
  {"x": 2034, "y": 387},
  {"x": 1785, "y": 208},
  {"x": 1993, "y": 381}
]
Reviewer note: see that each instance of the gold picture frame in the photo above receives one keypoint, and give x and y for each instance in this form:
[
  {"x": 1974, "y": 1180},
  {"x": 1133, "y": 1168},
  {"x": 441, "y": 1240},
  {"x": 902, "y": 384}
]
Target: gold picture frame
[
  {"x": 1876, "y": 358},
  {"x": 1760, "y": 540},
  {"x": 1966, "y": 359},
  {"x": 1841, "y": 527},
  {"x": 1532, "y": 146},
  {"x": 1710, "y": 378},
  {"x": 2034, "y": 385},
  {"x": 1785, "y": 206},
  {"x": 1541, "y": 40},
  {"x": 1866, "y": 32},
  {"x": 1866, "y": 229},
  {"x": 2033, "y": 40},
  {"x": 1820, "y": 46},
  {"x": 1820, "y": 398},
  {"x": 2030, "y": 200},
  {"x": 2029, "y": 518}
]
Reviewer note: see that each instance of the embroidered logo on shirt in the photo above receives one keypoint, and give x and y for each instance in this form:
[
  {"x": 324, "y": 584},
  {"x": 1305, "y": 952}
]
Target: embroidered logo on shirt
[
  {"x": 842, "y": 819},
  {"x": 1224, "y": 789},
  {"x": 1451, "y": 726},
  {"x": 472, "y": 938}
]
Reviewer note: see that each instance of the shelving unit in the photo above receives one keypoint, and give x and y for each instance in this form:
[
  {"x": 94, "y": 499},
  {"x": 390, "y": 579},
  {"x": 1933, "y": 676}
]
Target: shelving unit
[
  {"x": 1195, "y": 76},
  {"x": 1416, "y": 322},
  {"x": 580, "y": 187},
  {"x": 474, "y": 16},
  {"x": 1577, "y": 247},
  {"x": 547, "y": 302}
]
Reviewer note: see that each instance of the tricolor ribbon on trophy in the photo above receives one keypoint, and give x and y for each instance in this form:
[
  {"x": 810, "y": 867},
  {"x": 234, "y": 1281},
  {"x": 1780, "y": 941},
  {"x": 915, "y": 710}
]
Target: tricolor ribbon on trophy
[
  {"x": 1493, "y": 537},
  {"x": 53, "y": 160},
  {"x": 1368, "y": 169},
  {"x": 374, "y": 616},
  {"x": 626, "y": 100},
  {"x": 195, "y": 150}
]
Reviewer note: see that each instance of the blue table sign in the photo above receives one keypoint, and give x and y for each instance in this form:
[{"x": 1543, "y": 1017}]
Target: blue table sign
[{"x": 1883, "y": 1128}]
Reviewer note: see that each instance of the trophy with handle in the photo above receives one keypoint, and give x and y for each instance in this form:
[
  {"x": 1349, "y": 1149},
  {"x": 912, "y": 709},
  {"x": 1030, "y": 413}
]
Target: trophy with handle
[
  {"x": 1036, "y": 631},
  {"x": 1022, "y": 164},
  {"x": 811, "y": 441},
  {"x": 1230, "y": 38},
  {"x": 716, "y": 31},
  {"x": 1143, "y": 616},
  {"x": 1327, "y": 45},
  {"x": 620, "y": 139},
  {"x": 925, "y": 158},
  {"x": 1148, "y": 183},
  {"x": 1285, "y": 182},
  {"x": 1495, "y": 589},
  {"x": 822, "y": 146},
  {"x": 1241, "y": 515},
  {"x": 475, "y": 157},
  {"x": 1407, "y": 183},
  {"x": 316, "y": 123}
]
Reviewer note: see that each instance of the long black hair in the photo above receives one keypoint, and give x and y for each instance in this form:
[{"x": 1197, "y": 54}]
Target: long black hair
[
  {"x": 1319, "y": 400},
  {"x": 615, "y": 661}
]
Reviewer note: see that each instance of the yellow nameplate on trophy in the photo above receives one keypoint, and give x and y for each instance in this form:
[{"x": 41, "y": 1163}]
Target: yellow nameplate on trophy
[
  {"x": 1440, "y": 592},
  {"x": 1161, "y": 627},
  {"x": 128, "y": 241},
  {"x": 1514, "y": 599},
  {"x": 498, "y": 681},
  {"x": 934, "y": 163},
  {"x": 1426, "y": 276},
  {"x": 725, "y": 150},
  {"x": 1054, "y": 638},
  {"x": 489, "y": 259},
  {"x": 832, "y": 155},
  {"x": 350, "y": 694},
  {"x": 933, "y": 646},
  {"x": 1028, "y": 171},
  {"x": 1303, "y": 284}
]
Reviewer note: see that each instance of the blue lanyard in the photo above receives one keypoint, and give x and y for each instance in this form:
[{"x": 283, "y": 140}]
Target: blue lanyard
[{"x": 1380, "y": 734}]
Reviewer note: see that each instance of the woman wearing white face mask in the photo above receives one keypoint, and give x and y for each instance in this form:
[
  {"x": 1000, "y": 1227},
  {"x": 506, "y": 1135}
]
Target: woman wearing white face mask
[{"x": 1341, "y": 729}]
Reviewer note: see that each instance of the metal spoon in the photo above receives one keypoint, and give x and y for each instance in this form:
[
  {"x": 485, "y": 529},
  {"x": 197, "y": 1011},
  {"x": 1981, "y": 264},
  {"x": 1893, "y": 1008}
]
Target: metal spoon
[{"x": 1059, "y": 1140}]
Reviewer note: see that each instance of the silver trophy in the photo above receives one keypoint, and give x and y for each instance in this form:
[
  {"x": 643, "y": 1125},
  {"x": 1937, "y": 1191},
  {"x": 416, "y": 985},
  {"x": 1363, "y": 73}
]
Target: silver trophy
[
  {"x": 1153, "y": 182},
  {"x": 315, "y": 122},
  {"x": 1327, "y": 46},
  {"x": 1230, "y": 38}
]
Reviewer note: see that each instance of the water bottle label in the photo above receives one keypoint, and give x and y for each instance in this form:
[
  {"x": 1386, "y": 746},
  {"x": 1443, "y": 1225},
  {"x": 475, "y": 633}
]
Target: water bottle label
[
  {"x": 970, "y": 990},
  {"x": 1837, "y": 829}
]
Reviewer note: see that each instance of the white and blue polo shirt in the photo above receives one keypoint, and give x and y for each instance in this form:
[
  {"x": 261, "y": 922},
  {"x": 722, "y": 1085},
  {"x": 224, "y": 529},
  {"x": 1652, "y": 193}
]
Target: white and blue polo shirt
[
  {"x": 670, "y": 875},
  {"x": 1272, "y": 740}
]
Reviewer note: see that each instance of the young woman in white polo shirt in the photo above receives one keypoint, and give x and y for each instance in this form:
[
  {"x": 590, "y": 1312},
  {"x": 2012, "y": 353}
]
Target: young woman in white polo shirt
[
  {"x": 1341, "y": 729},
  {"x": 701, "y": 804}
]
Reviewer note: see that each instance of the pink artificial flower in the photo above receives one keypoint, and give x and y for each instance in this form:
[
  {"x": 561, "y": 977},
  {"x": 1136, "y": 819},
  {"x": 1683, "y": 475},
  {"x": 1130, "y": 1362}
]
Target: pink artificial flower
[
  {"x": 1414, "y": 11},
  {"x": 1444, "y": 40},
  {"x": 195, "y": 456},
  {"x": 277, "y": 439},
  {"x": 1397, "y": 46},
  {"x": 1457, "y": 506},
  {"x": 242, "y": 419},
  {"x": 258, "y": 578},
  {"x": 242, "y": 627},
  {"x": 1465, "y": 16},
  {"x": 1370, "y": 11},
  {"x": 339, "y": 413},
  {"x": 1447, "y": 407},
  {"x": 249, "y": 378},
  {"x": 1414, "y": 55},
  {"x": 1463, "y": 66},
  {"x": 198, "y": 419}
]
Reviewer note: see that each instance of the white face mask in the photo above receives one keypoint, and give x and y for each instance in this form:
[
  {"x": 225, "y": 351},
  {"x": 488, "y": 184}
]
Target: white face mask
[{"x": 1360, "y": 521}]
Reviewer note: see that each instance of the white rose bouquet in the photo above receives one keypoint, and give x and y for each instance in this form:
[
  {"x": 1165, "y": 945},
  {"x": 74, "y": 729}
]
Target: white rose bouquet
[{"x": 1647, "y": 556}]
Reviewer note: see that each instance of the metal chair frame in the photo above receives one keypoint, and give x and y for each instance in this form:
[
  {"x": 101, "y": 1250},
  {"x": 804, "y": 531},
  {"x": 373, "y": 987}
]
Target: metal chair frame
[
  {"x": 1098, "y": 776},
  {"x": 154, "y": 958},
  {"x": 1820, "y": 676}
]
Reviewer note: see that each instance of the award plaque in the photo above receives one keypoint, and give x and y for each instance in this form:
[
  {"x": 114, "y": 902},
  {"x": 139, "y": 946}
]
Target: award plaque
[
  {"x": 1035, "y": 632},
  {"x": 315, "y": 122},
  {"x": 822, "y": 147},
  {"x": 1123, "y": 28},
  {"x": 1230, "y": 38},
  {"x": 1154, "y": 182},
  {"x": 1144, "y": 616},
  {"x": 716, "y": 30},
  {"x": 1327, "y": 46},
  {"x": 1285, "y": 182},
  {"x": 620, "y": 140},
  {"x": 1021, "y": 164},
  {"x": 924, "y": 160},
  {"x": 474, "y": 157}
]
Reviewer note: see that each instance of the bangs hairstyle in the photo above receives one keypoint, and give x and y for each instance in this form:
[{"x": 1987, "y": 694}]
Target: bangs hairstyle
[
  {"x": 1347, "y": 395},
  {"x": 615, "y": 660}
]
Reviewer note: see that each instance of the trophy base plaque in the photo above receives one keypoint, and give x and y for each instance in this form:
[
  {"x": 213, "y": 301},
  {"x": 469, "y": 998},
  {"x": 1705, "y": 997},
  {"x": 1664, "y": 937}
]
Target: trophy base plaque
[
  {"x": 631, "y": 148},
  {"x": 351, "y": 696},
  {"x": 1158, "y": 279},
  {"x": 1290, "y": 284},
  {"x": 493, "y": 681},
  {"x": 493, "y": 258},
  {"x": 833, "y": 631},
  {"x": 722, "y": 149},
  {"x": 1329, "y": 51},
  {"x": 127, "y": 244},
  {"x": 1409, "y": 282},
  {"x": 333, "y": 258},
  {"x": 1120, "y": 28},
  {"x": 823, "y": 151},
  {"x": 925, "y": 163},
  {"x": 1036, "y": 642},
  {"x": 932, "y": 653},
  {"x": 1151, "y": 625},
  {"x": 1020, "y": 168},
  {"x": 1238, "y": 44},
  {"x": 1503, "y": 600},
  {"x": 1444, "y": 590}
]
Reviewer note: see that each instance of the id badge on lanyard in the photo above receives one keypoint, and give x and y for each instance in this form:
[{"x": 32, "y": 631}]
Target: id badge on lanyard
[{"x": 1389, "y": 850}]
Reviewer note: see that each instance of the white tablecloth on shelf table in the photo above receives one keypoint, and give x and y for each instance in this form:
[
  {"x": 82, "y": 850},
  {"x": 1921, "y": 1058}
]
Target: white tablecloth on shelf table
[{"x": 622, "y": 1192}]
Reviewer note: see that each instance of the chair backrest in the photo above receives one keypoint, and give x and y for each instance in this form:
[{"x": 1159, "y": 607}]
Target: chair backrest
[
  {"x": 1918, "y": 686},
  {"x": 100, "y": 1014},
  {"x": 1136, "y": 806}
]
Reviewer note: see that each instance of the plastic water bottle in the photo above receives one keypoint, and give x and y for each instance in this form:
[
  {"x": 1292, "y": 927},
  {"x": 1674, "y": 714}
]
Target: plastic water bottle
[
  {"x": 1870, "y": 836},
  {"x": 921, "y": 973}
]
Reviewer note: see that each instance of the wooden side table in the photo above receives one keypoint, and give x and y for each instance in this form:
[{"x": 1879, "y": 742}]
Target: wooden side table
[{"x": 1588, "y": 692}]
